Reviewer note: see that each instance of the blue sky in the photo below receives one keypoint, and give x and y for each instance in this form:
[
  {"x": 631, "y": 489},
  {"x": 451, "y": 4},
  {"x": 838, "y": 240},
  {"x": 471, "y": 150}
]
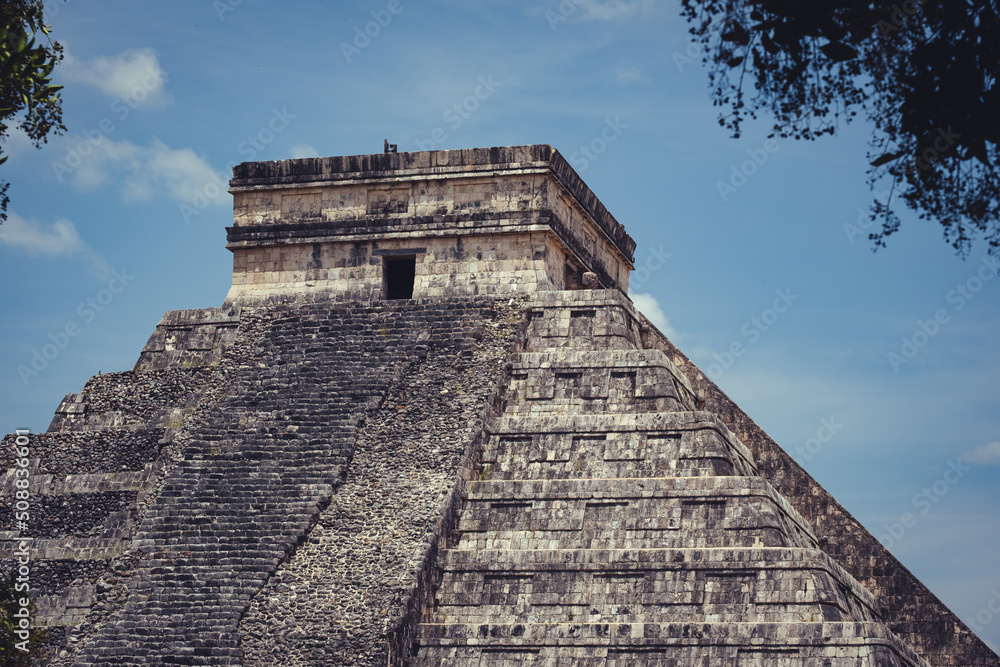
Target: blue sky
[{"x": 162, "y": 98}]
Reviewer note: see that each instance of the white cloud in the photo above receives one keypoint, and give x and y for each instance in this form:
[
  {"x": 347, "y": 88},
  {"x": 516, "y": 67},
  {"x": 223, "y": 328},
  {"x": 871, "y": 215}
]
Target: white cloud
[
  {"x": 179, "y": 171},
  {"x": 148, "y": 171},
  {"x": 59, "y": 239},
  {"x": 984, "y": 455},
  {"x": 594, "y": 10},
  {"x": 134, "y": 76},
  {"x": 91, "y": 168},
  {"x": 648, "y": 306},
  {"x": 302, "y": 150}
]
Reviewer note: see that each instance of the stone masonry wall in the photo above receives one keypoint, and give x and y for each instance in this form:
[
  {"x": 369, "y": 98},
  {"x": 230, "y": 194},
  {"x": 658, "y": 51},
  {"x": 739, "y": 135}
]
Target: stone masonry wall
[
  {"x": 608, "y": 520},
  {"x": 511, "y": 264},
  {"x": 908, "y": 608},
  {"x": 499, "y": 177},
  {"x": 496, "y": 221}
]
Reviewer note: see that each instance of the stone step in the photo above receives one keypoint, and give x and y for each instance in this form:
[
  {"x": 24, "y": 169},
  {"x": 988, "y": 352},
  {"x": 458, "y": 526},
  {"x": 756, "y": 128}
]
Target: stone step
[
  {"x": 603, "y": 381},
  {"x": 624, "y": 606},
  {"x": 796, "y": 567},
  {"x": 830, "y": 644},
  {"x": 684, "y": 444},
  {"x": 584, "y": 319},
  {"x": 186, "y": 338},
  {"x": 629, "y": 514},
  {"x": 68, "y": 548},
  {"x": 784, "y": 594},
  {"x": 68, "y": 608}
]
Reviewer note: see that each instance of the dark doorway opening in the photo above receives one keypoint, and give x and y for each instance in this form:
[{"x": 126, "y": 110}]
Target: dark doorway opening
[{"x": 398, "y": 274}]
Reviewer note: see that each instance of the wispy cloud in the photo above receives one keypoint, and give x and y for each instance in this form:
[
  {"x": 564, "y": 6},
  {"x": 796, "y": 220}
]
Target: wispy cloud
[
  {"x": 302, "y": 150},
  {"x": 134, "y": 75},
  {"x": 58, "y": 239},
  {"x": 650, "y": 307},
  {"x": 984, "y": 455},
  {"x": 179, "y": 172},
  {"x": 145, "y": 171}
]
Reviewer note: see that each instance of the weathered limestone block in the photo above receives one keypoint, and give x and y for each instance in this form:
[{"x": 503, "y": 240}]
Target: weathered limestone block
[
  {"x": 606, "y": 381},
  {"x": 629, "y": 514},
  {"x": 666, "y": 645},
  {"x": 189, "y": 339},
  {"x": 736, "y": 585},
  {"x": 586, "y": 320},
  {"x": 683, "y": 444}
]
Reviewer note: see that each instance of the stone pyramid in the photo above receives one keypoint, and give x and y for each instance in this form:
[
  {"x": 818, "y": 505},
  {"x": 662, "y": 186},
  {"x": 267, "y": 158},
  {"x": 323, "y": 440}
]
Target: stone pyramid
[
  {"x": 428, "y": 427},
  {"x": 615, "y": 521}
]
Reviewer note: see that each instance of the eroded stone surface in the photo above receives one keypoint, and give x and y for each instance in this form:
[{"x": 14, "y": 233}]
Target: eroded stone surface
[
  {"x": 336, "y": 600},
  {"x": 505, "y": 469},
  {"x": 612, "y": 523}
]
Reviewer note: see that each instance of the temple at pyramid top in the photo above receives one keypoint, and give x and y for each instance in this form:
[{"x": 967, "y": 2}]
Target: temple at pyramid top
[{"x": 481, "y": 221}]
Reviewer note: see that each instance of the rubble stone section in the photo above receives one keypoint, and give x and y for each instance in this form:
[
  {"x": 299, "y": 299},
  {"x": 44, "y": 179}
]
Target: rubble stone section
[
  {"x": 303, "y": 417},
  {"x": 96, "y": 471},
  {"x": 173, "y": 365},
  {"x": 511, "y": 220},
  {"x": 611, "y": 522},
  {"x": 338, "y": 598}
]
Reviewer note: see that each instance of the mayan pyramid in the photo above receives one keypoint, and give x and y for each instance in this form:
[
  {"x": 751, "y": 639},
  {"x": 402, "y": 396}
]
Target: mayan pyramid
[{"x": 428, "y": 427}]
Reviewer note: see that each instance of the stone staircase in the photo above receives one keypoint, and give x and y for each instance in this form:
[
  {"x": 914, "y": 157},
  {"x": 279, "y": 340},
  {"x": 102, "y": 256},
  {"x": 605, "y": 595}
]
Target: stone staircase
[
  {"x": 251, "y": 473},
  {"x": 611, "y": 522}
]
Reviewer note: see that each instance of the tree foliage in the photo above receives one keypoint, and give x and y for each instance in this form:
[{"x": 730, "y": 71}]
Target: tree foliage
[
  {"x": 10, "y": 655},
  {"x": 924, "y": 74},
  {"x": 25, "y": 77}
]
